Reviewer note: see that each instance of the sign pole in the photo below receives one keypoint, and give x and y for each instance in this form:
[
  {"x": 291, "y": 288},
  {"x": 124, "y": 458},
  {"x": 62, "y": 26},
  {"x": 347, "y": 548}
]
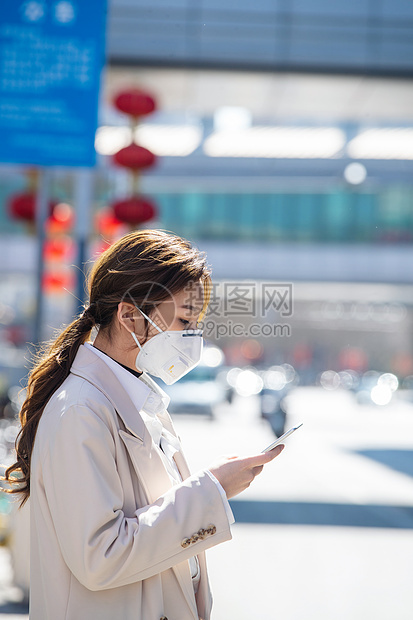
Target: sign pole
[
  {"x": 42, "y": 212},
  {"x": 83, "y": 195}
]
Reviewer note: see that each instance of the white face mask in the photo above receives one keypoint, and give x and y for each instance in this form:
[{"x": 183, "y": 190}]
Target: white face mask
[{"x": 169, "y": 355}]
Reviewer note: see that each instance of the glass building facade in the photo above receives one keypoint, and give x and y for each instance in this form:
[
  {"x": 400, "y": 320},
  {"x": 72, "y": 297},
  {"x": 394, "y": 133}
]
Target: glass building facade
[{"x": 317, "y": 217}]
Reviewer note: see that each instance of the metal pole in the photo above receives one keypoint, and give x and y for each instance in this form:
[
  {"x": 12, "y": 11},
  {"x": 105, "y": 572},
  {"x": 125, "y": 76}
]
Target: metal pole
[
  {"x": 83, "y": 196},
  {"x": 42, "y": 212}
]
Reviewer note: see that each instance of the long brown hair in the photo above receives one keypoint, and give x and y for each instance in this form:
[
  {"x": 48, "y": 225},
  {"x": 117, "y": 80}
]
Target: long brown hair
[{"x": 145, "y": 266}]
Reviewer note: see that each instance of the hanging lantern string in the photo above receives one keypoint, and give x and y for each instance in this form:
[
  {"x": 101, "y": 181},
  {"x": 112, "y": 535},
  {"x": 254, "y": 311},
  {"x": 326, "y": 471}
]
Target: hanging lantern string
[{"x": 136, "y": 209}]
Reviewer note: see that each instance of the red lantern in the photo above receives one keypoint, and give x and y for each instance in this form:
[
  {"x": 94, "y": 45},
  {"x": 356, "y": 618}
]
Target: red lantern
[
  {"x": 61, "y": 220},
  {"x": 134, "y": 102},
  {"x": 107, "y": 224},
  {"x": 134, "y": 157},
  {"x": 59, "y": 249},
  {"x": 134, "y": 210},
  {"x": 23, "y": 207},
  {"x": 58, "y": 282}
]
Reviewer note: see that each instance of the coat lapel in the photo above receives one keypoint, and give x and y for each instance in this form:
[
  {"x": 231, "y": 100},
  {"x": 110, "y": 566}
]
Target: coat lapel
[
  {"x": 91, "y": 367},
  {"x": 148, "y": 465},
  {"x": 179, "y": 458}
]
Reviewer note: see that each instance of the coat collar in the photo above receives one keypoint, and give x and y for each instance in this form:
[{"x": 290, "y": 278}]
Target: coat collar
[{"x": 88, "y": 365}]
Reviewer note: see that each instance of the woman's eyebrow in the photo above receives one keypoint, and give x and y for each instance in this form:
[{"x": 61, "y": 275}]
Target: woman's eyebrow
[{"x": 188, "y": 307}]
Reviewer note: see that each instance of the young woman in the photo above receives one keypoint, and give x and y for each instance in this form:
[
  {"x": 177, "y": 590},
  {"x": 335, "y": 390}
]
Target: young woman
[{"x": 119, "y": 526}]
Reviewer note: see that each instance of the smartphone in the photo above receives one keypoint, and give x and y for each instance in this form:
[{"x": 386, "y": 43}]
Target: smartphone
[{"x": 281, "y": 439}]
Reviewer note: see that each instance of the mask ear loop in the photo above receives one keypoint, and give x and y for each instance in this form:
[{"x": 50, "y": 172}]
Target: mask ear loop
[
  {"x": 150, "y": 321},
  {"x": 136, "y": 340}
]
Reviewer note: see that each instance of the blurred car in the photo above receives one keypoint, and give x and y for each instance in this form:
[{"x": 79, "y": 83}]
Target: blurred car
[
  {"x": 244, "y": 381},
  {"x": 332, "y": 380},
  {"x": 277, "y": 382},
  {"x": 202, "y": 389},
  {"x": 371, "y": 388},
  {"x": 376, "y": 388},
  {"x": 273, "y": 409},
  {"x": 405, "y": 391}
]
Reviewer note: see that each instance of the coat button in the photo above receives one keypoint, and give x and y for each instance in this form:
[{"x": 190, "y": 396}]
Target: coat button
[
  {"x": 202, "y": 533},
  {"x": 211, "y": 529},
  {"x": 185, "y": 543},
  {"x": 164, "y": 618}
]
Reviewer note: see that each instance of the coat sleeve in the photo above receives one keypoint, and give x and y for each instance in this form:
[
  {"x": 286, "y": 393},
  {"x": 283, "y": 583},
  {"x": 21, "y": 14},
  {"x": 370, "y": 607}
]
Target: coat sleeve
[{"x": 101, "y": 546}]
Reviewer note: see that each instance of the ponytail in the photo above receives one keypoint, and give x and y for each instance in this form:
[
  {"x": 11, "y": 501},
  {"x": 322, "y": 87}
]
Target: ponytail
[
  {"x": 52, "y": 366},
  {"x": 147, "y": 265}
]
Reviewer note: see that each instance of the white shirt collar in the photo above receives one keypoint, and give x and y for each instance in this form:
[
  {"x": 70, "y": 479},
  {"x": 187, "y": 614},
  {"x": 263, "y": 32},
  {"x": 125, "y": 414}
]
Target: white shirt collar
[{"x": 156, "y": 401}]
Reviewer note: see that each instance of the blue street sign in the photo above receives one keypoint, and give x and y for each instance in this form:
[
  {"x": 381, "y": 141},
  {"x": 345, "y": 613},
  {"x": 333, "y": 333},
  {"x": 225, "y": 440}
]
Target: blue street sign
[{"x": 51, "y": 57}]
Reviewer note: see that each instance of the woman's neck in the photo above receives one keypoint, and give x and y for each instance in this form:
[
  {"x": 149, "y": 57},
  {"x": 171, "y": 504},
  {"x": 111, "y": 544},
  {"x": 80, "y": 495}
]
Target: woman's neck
[{"x": 118, "y": 351}]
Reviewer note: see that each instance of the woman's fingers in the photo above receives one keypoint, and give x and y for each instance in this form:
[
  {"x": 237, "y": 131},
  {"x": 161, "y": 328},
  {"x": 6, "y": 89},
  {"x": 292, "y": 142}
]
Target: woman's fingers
[
  {"x": 236, "y": 474},
  {"x": 263, "y": 458},
  {"x": 257, "y": 470}
]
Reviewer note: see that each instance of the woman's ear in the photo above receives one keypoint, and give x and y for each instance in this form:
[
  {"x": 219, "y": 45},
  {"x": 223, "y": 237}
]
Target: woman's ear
[{"x": 128, "y": 317}]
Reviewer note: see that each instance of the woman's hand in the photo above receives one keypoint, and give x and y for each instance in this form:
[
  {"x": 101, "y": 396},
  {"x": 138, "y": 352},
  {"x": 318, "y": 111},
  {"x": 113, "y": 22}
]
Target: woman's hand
[{"x": 235, "y": 474}]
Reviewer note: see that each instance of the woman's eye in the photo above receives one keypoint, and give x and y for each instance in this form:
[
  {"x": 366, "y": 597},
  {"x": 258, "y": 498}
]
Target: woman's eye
[{"x": 184, "y": 322}]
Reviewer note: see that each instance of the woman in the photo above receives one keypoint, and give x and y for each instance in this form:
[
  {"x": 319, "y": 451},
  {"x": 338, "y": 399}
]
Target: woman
[{"x": 119, "y": 527}]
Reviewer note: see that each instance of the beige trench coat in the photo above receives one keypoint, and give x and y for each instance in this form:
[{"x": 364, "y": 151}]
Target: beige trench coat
[{"x": 110, "y": 535}]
